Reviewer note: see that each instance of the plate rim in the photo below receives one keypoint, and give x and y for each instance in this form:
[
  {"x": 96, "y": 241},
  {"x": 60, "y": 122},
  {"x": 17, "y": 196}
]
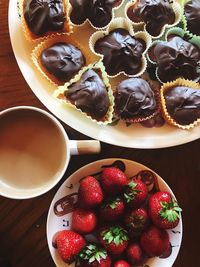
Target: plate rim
[
  {"x": 99, "y": 131},
  {"x": 105, "y": 161}
]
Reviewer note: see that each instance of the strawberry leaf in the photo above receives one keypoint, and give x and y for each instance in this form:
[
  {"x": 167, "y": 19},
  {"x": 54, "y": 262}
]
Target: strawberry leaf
[
  {"x": 132, "y": 185},
  {"x": 170, "y": 211},
  {"x": 93, "y": 252},
  {"x": 115, "y": 234},
  {"x": 131, "y": 192}
]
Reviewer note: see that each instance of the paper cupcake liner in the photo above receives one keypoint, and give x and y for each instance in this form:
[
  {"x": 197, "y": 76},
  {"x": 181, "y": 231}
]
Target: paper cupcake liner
[
  {"x": 138, "y": 119},
  {"x": 168, "y": 86},
  {"x": 185, "y": 26},
  {"x": 33, "y": 37},
  {"x": 87, "y": 21},
  {"x": 183, "y": 2},
  {"x": 148, "y": 57},
  {"x": 59, "y": 93},
  {"x": 35, "y": 55},
  {"x": 178, "y": 10},
  {"x": 121, "y": 23},
  {"x": 136, "y": 25},
  {"x": 195, "y": 40}
]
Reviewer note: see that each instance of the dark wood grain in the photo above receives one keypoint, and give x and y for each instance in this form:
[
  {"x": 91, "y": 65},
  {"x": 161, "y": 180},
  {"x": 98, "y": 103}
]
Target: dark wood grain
[{"x": 23, "y": 222}]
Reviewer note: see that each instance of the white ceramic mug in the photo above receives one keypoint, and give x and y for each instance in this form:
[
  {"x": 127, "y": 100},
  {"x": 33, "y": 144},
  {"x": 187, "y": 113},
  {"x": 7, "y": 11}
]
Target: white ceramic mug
[{"x": 34, "y": 151}]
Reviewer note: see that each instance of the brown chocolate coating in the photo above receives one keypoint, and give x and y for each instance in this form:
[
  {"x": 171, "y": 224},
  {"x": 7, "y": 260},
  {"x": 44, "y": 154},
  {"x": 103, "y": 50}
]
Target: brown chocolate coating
[
  {"x": 176, "y": 58},
  {"x": 121, "y": 52},
  {"x": 44, "y": 15},
  {"x": 89, "y": 94},
  {"x": 134, "y": 97},
  {"x": 183, "y": 104},
  {"x": 192, "y": 13},
  {"x": 99, "y": 12},
  {"x": 62, "y": 60},
  {"x": 154, "y": 13}
]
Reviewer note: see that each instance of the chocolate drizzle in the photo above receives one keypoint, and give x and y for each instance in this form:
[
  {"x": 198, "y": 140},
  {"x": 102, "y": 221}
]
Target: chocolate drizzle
[
  {"x": 183, "y": 104},
  {"x": 149, "y": 178},
  {"x": 154, "y": 13},
  {"x": 62, "y": 60},
  {"x": 65, "y": 205},
  {"x": 99, "y": 12},
  {"x": 44, "y": 15},
  {"x": 89, "y": 94},
  {"x": 133, "y": 98},
  {"x": 175, "y": 58},
  {"x": 192, "y": 13},
  {"x": 121, "y": 51}
]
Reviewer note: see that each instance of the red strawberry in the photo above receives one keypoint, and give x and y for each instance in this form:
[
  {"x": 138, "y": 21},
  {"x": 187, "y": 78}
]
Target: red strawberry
[
  {"x": 121, "y": 263},
  {"x": 134, "y": 254},
  {"x": 90, "y": 193},
  {"x": 135, "y": 193},
  {"x": 164, "y": 210},
  {"x": 54, "y": 239},
  {"x": 69, "y": 244},
  {"x": 136, "y": 221},
  {"x": 112, "y": 210},
  {"x": 114, "y": 239},
  {"x": 83, "y": 221},
  {"x": 155, "y": 241},
  {"x": 94, "y": 256},
  {"x": 113, "y": 180}
]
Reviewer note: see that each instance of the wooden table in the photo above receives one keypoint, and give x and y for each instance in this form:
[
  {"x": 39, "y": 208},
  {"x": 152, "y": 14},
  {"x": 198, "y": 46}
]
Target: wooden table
[{"x": 23, "y": 223}]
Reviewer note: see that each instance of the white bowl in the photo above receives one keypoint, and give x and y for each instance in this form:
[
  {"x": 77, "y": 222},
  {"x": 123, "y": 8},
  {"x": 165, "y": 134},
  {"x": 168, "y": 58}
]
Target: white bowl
[{"x": 57, "y": 221}]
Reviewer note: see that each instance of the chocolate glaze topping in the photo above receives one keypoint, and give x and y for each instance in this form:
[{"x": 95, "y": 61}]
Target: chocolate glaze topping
[
  {"x": 192, "y": 13},
  {"x": 121, "y": 52},
  {"x": 134, "y": 97},
  {"x": 99, "y": 12},
  {"x": 44, "y": 15},
  {"x": 62, "y": 60},
  {"x": 89, "y": 94},
  {"x": 154, "y": 13},
  {"x": 183, "y": 104},
  {"x": 176, "y": 58}
]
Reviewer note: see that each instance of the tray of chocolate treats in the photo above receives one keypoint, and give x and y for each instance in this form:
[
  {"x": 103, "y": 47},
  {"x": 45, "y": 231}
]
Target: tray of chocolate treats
[{"x": 124, "y": 72}]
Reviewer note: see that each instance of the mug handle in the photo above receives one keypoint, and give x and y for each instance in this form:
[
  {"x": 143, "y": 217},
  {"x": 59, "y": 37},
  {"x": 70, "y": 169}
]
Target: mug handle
[{"x": 84, "y": 147}]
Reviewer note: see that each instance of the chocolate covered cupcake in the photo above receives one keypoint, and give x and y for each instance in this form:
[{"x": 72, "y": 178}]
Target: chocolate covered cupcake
[
  {"x": 60, "y": 58},
  {"x": 98, "y": 12},
  {"x": 89, "y": 92},
  {"x": 63, "y": 60},
  {"x": 135, "y": 101},
  {"x": 175, "y": 58},
  {"x": 121, "y": 50},
  {"x": 181, "y": 103},
  {"x": 154, "y": 14},
  {"x": 192, "y": 15},
  {"x": 42, "y": 17}
]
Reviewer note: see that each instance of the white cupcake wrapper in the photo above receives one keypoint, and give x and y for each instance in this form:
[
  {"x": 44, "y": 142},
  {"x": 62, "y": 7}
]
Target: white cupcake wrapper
[
  {"x": 178, "y": 15},
  {"x": 59, "y": 93},
  {"x": 121, "y": 23},
  {"x": 87, "y": 21}
]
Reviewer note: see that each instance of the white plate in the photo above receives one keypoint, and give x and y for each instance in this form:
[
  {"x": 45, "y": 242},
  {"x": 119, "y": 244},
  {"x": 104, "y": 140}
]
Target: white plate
[
  {"x": 56, "y": 223},
  {"x": 135, "y": 136}
]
